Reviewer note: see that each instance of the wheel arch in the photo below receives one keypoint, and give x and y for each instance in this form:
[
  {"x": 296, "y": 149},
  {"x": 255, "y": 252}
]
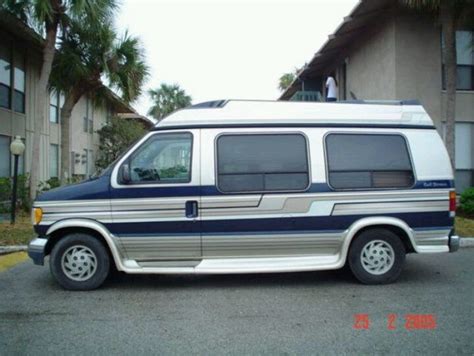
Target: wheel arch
[
  {"x": 91, "y": 227},
  {"x": 397, "y": 226}
]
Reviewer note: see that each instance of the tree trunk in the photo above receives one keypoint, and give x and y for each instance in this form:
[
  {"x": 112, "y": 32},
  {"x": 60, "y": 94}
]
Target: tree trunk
[
  {"x": 448, "y": 24},
  {"x": 42, "y": 96},
  {"x": 70, "y": 101}
]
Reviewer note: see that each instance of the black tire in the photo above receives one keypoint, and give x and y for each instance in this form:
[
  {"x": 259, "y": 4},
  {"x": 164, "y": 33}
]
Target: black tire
[
  {"x": 374, "y": 235},
  {"x": 93, "y": 247}
]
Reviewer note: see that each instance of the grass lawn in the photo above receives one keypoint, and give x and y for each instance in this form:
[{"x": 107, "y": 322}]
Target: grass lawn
[
  {"x": 22, "y": 232},
  {"x": 464, "y": 226},
  {"x": 19, "y": 234}
]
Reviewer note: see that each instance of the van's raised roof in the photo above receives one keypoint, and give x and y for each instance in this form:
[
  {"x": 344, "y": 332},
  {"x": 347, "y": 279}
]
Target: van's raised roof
[{"x": 261, "y": 113}]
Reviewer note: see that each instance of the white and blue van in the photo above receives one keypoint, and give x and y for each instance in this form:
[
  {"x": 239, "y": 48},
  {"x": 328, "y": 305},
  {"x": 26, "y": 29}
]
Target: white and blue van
[{"x": 255, "y": 187}]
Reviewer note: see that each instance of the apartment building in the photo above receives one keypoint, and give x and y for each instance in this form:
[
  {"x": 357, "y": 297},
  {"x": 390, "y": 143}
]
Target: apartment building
[
  {"x": 20, "y": 64},
  {"x": 383, "y": 51}
]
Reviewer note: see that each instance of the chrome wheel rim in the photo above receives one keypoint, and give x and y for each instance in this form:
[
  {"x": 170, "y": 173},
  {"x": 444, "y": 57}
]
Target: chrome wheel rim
[
  {"x": 377, "y": 257},
  {"x": 79, "y": 263}
]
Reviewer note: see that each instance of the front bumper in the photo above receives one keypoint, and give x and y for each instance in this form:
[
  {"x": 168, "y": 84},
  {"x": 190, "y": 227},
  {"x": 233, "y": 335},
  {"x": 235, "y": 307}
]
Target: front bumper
[
  {"x": 36, "y": 250},
  {"x": 453, "y": 243}
]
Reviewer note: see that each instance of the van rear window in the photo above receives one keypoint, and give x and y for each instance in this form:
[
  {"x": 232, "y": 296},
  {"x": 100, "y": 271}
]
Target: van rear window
[
  {"x": 262, "y": 163},
  {"x": 368, "y": 161}
]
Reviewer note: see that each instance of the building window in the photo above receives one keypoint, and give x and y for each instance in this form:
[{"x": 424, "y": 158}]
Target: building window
[
  {"x": 12, "y": 74},
  {"x": 19, "y": 84},
  {"x": 262, "y": 163},
  {"x": 54, "y": 105},
  {"x": 465, "y": 61},
  {"x": 89, "y": 161},
  {"x": 5, "y": 77},
  {"x": 164, "y": 158},
  {"x": 464, "y": 155},
  {"x": 4, "y": 156},
  {"x": 364, "y": 161},
  {"x": 53, "y": 161},
  {"x": 88, "y": 124}
]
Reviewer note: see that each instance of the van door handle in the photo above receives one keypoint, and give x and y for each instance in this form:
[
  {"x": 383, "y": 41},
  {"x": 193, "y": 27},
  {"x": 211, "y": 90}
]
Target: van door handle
[{"x": 191, "y": 209}]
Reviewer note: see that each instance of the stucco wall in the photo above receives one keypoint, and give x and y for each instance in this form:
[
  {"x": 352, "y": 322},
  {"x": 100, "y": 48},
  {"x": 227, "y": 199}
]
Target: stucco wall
[
  {"x": 81, "y": 140},
  {"x": 464, "y": 105},
  {"x": 371, "y": 64},
  {"x": 418, "y": 62}
]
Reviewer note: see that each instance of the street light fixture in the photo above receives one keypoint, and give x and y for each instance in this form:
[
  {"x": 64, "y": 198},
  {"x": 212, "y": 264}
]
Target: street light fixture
[{"x": 17, "y": 148}]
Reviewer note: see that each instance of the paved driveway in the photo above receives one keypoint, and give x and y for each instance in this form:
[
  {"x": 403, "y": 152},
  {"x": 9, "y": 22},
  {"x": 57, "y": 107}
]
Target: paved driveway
[{"x": 241, "y": 314}]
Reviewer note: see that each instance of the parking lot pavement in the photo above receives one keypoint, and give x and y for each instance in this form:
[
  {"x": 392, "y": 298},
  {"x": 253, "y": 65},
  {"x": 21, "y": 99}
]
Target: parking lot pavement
[{"x": 241, "y": 314}]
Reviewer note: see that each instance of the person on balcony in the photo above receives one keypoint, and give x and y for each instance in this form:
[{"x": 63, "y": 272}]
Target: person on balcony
[{"x": 331, "y": 88}]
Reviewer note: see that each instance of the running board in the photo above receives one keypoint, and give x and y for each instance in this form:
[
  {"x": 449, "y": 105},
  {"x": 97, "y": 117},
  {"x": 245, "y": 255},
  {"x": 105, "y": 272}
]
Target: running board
[{"x": 238, "y": 265}]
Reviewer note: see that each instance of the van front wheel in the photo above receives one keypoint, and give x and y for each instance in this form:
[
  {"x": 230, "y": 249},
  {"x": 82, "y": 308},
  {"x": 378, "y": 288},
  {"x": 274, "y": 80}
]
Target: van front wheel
[
  {"x": 377, "y": 256},
  {"x": 79, "y": 262}
]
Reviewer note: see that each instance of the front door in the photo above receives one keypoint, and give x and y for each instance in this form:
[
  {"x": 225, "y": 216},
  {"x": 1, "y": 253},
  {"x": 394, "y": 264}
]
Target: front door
[{"x": 155, "y": 208}]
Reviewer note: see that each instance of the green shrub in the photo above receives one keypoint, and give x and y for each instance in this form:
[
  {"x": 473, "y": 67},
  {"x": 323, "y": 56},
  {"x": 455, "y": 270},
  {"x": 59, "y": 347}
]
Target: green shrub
[
  {"x": 22, "y": 194},
  {"x": 467, "y": 201},
  {"x": 49, "y": 184}
]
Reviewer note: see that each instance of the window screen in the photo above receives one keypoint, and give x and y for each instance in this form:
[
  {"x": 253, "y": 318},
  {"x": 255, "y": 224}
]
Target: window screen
[
  {"x": 260, "y": 163},
  {"x": 358, "y": 161}
]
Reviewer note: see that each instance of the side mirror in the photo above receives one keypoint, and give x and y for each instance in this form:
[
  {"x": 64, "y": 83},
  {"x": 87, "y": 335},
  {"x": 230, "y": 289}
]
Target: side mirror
[{"x": 125, "y": 173}]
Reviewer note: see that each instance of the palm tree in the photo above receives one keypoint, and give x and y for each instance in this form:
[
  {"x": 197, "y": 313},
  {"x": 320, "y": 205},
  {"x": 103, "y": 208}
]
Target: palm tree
[
  {"x": 51, "y": 17},
  {"x": 449, "y": 13},
  {"x": 167, "y": 98},
  {"x": 90, "y": 53},
  {"x": 286, "y": 79}
]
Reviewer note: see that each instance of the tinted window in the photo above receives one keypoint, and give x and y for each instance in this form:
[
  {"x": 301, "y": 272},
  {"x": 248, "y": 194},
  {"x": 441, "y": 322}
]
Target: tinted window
[
  {"x": 5, "y": 77},
  {"x": 164, "y": 158},
  {"x": 53, "y": 160},
  {"x": 54, "y": 107},
  {"x": 368, "y": 161},
  {"x": 4, "y": 156},
  {"x": 19, "y": 84},
  {"x": 259, "y": 163}
]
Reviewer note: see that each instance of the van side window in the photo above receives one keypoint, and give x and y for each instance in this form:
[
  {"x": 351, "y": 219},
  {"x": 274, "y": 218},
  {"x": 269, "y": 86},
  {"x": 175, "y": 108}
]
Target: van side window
[
  {"x": 262, "y": 163},
  {"x": 164, "y": 158},
  {"x": 357, "y": 161}
]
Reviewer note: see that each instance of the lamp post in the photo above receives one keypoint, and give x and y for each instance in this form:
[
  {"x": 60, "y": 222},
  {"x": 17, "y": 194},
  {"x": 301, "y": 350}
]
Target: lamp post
[{"x": 17, "y": 148}]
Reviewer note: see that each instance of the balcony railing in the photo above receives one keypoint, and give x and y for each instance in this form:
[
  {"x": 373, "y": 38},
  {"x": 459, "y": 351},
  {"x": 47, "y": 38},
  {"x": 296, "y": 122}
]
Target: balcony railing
[{"x": 307, "y": 96}]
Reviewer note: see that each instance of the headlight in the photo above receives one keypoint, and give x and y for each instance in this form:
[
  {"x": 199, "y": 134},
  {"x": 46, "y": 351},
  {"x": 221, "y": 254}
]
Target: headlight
[{"x": 37, "y": 215}]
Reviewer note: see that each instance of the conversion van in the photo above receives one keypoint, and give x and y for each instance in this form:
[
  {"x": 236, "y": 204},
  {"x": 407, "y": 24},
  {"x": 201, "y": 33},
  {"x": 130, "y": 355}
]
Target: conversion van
[{"x": 255, "y": 187}]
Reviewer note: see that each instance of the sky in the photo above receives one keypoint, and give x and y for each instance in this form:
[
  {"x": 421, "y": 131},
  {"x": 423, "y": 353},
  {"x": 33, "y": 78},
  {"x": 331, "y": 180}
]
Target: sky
[{"x": 228, "y": 49}]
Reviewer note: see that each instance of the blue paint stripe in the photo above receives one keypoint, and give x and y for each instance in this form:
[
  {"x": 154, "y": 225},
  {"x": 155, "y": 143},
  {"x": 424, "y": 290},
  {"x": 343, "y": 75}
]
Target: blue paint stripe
[
  {"x": 297, "y": 225},
  {"x": 100, "y": 189},
  {"x": 323, "y": 224}
]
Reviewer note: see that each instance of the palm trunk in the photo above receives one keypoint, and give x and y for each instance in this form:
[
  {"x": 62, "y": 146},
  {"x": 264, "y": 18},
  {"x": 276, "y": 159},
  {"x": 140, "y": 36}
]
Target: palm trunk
[
  {"x": 448, "y": 24},
  {"x": 42, "y": 95},
  {"x": 70, "y": 101}
]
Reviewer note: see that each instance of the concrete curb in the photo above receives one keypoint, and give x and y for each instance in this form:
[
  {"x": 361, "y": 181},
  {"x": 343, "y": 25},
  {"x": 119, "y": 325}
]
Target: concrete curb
[
  {"x": 466, "y": 242},
  {"x": 10, "y": 249}
]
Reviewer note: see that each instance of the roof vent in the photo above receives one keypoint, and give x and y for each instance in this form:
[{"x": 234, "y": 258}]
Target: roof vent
[{"x": 209, "y": 104}]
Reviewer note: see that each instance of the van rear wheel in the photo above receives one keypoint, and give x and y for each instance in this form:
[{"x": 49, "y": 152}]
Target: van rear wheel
[
  {"x": 79, "y": 262},
  {"x": 377, "y": 256}
]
